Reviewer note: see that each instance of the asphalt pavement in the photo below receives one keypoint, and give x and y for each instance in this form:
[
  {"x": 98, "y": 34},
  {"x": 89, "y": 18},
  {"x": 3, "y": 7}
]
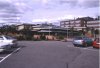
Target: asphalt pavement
[{"x": 50, "y": 54}]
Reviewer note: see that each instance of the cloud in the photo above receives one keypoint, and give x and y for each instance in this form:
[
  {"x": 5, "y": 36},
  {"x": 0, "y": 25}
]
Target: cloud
[
  {"x": 8, "y": 7},
  {"x": 88, "y": 3},
  {"x": 69, "y": 2},
  {"x": 45, "y": 1},
  {"x": 8, "y": 11},
  {"x": 80, "y": 3},
  {"x": 65, "y": 4},
  {"x": 47, "y": 9}
]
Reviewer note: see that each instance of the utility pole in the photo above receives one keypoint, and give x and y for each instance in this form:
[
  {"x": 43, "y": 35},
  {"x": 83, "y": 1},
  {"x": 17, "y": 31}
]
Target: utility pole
[
  {"x": 49, "y": 29},
  {"x": 67, "y": 32},
  {"x": 68, "y": 29}
]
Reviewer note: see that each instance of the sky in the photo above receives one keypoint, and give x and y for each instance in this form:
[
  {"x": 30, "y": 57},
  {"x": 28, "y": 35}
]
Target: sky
[{"x": 31, "y": 11}]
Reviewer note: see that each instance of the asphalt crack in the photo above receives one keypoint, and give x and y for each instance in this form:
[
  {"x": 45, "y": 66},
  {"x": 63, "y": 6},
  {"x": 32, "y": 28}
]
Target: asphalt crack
[{"x": 67, "y": 63}]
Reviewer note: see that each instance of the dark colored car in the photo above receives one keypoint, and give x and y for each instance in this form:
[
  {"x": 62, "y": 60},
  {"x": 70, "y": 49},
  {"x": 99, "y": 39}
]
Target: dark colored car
[
  {"x": 96, "y": 43},
  {"x": 82, "y": 41}
]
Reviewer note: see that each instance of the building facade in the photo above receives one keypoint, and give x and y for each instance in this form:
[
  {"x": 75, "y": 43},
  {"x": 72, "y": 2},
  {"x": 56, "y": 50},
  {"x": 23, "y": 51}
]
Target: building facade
[
  {"x": 76, "y": 24},
  {"x": 94, "y": 24},
  {"x": 80, "y": 24}
]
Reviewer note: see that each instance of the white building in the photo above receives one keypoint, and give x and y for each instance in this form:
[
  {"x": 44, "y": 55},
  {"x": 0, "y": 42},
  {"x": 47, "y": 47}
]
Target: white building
[{"x": 94, "y": 24}]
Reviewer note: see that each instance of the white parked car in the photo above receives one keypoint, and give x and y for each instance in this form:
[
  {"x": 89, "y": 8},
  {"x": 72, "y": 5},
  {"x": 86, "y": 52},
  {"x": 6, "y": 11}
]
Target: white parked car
[
  {"x": 4, "y": 46},
  {"x": 9, "y": 40}
]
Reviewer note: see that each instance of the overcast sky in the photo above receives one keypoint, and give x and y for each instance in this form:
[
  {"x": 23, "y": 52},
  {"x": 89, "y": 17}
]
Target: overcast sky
[{"x": 48, "y": 10}]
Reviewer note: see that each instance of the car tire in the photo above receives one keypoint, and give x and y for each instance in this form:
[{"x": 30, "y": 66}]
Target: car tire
[
  {"x": 95, "y": 47},
  {"x": 75, "y": 45}
]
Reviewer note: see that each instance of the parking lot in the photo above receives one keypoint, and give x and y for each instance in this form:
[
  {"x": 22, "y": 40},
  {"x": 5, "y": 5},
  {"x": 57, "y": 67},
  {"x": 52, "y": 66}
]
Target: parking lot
[{"x": 49, "y": 54}]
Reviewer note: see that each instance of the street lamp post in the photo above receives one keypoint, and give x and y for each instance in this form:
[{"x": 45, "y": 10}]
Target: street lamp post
[
  {"x": 67, "y": 32},
  {"x": 49, "y": 29}
]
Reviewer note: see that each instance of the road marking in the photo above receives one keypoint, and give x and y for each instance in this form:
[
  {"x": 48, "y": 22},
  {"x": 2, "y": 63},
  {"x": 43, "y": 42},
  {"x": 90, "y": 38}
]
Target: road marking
[
  {"x": 1, "y": 57},
  {"x": 9, "y": 55}
]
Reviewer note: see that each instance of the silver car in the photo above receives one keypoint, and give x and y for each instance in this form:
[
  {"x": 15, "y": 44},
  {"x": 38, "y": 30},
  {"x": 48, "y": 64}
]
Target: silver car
[
  {"x": 8, "y": 39},
  {"x": 82, "y": 41},
  {"x": 4, "y": 46}
]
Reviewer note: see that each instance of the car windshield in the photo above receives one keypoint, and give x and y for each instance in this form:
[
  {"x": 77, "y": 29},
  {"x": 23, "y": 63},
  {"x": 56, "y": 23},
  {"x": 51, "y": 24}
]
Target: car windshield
[
  {"x": 9, "y": 37},
  {"x": 78, "y": 38}
]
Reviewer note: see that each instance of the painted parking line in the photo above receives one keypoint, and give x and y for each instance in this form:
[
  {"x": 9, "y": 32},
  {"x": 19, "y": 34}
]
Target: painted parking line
[
  {"x": 1, "y": 57},
  {"x": 9, "y": 55}
]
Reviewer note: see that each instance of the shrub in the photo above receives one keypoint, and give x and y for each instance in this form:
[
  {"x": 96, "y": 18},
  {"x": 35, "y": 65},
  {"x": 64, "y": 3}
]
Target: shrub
[
  {"x": 61, "y": 37},
  {"x": 42, "y": 37},
  {"x": 28, "y": 37},
  {"x": 20, "y": 38}
]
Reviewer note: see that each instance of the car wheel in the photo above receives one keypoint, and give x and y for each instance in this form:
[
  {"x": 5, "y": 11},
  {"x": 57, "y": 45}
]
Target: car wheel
[
  {"x": 94, "y": 47},
  {"x": 75, "y": 45}
]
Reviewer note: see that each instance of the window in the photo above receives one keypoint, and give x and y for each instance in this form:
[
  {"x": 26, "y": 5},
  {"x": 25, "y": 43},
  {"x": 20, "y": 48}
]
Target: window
[
  {"x": 8, "y": 37},
  {"x": 1, "y": 38}
]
